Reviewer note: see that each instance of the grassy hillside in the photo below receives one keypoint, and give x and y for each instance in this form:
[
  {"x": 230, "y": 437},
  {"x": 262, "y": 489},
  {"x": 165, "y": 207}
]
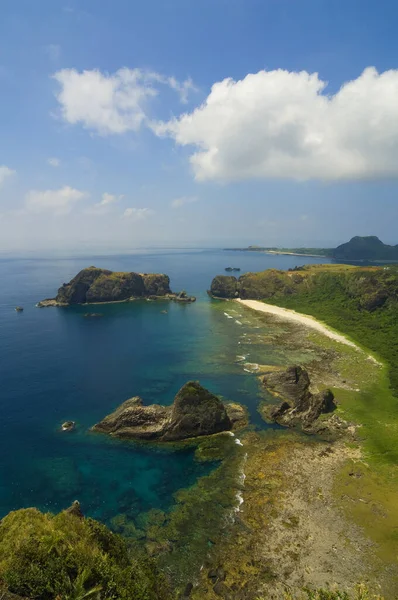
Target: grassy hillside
[
  {"x": 65, "y": 557},
  {"x": 360, "y": 301}
]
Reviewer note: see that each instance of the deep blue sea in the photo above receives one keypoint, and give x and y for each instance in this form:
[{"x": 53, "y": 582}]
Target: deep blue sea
[{"x": 57, "y": 365}]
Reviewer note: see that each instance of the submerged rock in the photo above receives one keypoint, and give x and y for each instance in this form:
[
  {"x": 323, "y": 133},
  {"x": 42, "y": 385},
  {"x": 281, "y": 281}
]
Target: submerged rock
[
  {"x": 68, "y": 426},
  {"x": 93, "y": 315},
  {"x": 300, "y": 406},
  {"x": 183, "y": 297},
  {"x": 194, "y": 412},
  {"x": 93, "y": 286},
  {"x": 19, "y": 308}
]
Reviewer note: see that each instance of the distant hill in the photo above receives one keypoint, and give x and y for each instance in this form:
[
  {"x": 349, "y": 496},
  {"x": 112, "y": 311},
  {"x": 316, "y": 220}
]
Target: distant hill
[
  {"x": 358, "y": 248},
  {"x": 365, "y": 248}
]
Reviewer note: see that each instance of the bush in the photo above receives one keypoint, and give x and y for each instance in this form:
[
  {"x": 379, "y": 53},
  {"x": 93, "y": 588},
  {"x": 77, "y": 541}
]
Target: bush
[{"x": 64, "y": 557}]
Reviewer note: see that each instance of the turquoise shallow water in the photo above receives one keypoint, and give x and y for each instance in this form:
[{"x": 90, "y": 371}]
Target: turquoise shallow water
[{"x": 56, "y": 365}]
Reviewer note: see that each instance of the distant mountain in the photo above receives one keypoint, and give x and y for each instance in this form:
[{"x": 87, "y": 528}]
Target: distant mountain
[{"x": 365, "y": 248}]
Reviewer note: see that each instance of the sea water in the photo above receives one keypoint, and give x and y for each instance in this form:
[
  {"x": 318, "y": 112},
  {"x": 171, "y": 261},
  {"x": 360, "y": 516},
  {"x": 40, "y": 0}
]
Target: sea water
[{"x": 56, "y": 365}]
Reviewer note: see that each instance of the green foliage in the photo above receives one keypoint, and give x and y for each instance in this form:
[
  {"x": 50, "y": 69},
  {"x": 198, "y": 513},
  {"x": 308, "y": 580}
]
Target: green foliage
[
  {"x": 360, "y": 302},
  {"x": 366, "y": 248},
  {"x": 63, "y": 557},
  {"x": 361, "y": 592}
]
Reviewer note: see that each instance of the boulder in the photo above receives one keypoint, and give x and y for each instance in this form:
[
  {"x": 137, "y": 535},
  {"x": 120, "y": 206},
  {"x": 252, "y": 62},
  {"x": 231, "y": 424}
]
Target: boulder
[
  {"x": 300, "y": 406},
  {"x": 194, "y": 412}
]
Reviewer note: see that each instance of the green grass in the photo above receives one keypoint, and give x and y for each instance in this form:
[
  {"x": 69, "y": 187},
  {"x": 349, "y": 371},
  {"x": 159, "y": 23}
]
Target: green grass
[{"x": 64, "y": 557}]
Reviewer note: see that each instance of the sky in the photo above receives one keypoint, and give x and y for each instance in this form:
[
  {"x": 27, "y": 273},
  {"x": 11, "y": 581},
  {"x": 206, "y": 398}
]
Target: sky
[{"x": 197, "y": 123}]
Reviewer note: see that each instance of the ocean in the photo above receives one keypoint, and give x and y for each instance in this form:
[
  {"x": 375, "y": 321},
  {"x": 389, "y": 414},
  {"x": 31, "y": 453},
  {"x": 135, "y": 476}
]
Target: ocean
[{"x": 56, "y": 365}]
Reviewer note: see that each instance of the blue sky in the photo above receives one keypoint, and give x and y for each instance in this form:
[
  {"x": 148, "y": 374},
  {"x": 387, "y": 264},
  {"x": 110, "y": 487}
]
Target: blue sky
[{"x": 112, "y": 136}]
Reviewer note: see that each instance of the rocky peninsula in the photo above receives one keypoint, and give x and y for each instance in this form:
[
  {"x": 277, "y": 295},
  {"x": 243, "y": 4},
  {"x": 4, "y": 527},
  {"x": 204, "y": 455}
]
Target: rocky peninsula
[
  {"x": 94, "y": 286},
  {"x": 195, "y": 412}
]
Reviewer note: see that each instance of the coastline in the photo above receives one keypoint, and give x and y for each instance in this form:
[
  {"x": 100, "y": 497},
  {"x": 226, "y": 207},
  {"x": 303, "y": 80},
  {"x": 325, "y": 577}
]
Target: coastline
[
  {"x": 301, "y": 319},
  {"x": 278, "y": 252}
]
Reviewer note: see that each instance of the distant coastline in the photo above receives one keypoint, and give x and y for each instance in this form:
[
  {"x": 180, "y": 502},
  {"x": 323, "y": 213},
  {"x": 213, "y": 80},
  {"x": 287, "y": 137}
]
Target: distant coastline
[
  {"x": 281, "y": 252},
  {"x": 358, "y": 249}
]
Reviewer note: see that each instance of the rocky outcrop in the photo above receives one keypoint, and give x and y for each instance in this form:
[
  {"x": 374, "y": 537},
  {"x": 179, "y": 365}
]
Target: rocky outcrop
[
  {"x": 68, "y": 426},
  {"x": 255, "y": 286},
  {"x": 92, "y": 286},
  {"x": 300, "y": 406},
  {"x": 75, "y": 510},
  {"x": 224, "y": 286},
  {"x": 194, "y": 412}
]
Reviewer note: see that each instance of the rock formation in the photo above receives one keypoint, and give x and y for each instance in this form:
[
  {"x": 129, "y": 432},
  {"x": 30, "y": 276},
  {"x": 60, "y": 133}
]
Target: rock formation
[
  {"x": 92, "y": 286},
  {"x": 224, "y": 286},
  {"x": 68, "y": 426},
  {"x": 300, "y": 406},
  {"x": 194, "y": 412},
  {"x": 75, "y": 510}
]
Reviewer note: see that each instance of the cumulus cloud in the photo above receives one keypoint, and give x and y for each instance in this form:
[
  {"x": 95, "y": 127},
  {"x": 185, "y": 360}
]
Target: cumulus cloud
[
  {"x": 138, "y": 214},
  {"x": 281, "y": 124},
  {"x": 178, "y": 202},
  {"x": 57, "y": 202},
  {"x": 105, "y": 205},
  {"x": 5, "y": 172},
  {"x": 54, "y": 162},
  {"x": 111, "y": 103}
]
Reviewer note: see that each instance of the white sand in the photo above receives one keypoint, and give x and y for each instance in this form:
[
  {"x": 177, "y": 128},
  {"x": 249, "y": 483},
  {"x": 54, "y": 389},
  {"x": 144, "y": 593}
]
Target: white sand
[{"x": 292, "y": 315}]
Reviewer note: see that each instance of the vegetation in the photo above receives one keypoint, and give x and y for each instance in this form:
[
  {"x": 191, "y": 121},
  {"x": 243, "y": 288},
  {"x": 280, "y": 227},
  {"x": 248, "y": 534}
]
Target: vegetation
[
  {"x": 362, "y": 302},
  {"x": 361, "y": 593},
  {"x": 357, "y": 249},
  {"x": 65, "y": 557},
  {"x": 365, "y": 248}
]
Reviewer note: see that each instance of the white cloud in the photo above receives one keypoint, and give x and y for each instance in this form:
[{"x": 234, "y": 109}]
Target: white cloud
[
  {"x": 54, "y": 162},
  {"x": 281, "y": 124},
  {"x": 5, "y": 172},
  {"x": 109, "y": 198},
  {"x": 138, "y": 214},
  {"x": 182, "y": 88},
  {"x": 178, "y": 202},
  {"x": 105, "y": 205},
  {"x": 111, "y": 103},
  {"x": 57, "y": 202}
]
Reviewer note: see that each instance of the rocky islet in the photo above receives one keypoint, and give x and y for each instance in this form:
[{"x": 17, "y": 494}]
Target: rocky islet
[
  {"x": 94, "y": 286},
  {"x": 195, "y": 412}
]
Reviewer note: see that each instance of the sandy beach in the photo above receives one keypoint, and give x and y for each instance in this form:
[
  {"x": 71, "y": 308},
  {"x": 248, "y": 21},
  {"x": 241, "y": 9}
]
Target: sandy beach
[{"x": 291, "y": 315}]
